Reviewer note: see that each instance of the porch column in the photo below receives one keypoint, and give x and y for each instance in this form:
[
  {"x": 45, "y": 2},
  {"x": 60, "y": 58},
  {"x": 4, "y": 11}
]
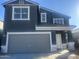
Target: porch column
[{"x": 66, "y": 37}]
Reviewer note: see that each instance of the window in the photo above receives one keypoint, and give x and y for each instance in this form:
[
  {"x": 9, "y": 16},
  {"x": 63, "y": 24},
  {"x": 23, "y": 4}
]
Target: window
[
  {"x": 58, "y": 20},
  {"x": 43, "y": 17},
  {"x": 21, "y": 13}
]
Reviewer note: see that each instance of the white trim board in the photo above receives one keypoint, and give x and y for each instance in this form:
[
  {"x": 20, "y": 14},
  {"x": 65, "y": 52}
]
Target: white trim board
[
  {"x": 19, "y": 13},
  {"x": 8, "y": 33},
  {"x": 53, "y": 28},
  {"x": 45, "y": 17}
]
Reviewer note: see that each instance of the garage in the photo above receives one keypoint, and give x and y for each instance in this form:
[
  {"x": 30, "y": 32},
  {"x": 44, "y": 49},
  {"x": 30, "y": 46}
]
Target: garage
[{"x": 25, "y": 42}]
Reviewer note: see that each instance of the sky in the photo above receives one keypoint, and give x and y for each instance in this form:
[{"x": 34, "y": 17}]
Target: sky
[{"x": 67, "y": 7}]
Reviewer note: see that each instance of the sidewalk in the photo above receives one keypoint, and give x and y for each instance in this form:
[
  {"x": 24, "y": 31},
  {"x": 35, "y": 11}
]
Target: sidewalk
[{"x": 56, "y": 55}]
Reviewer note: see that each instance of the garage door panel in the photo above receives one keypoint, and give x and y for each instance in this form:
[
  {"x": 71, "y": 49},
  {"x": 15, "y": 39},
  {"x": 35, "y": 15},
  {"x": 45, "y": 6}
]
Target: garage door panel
[{"x": 21, "y": 43}]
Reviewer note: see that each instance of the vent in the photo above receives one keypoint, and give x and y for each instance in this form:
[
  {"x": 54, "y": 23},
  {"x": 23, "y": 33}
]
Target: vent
[{"x": 21, "y": 1}]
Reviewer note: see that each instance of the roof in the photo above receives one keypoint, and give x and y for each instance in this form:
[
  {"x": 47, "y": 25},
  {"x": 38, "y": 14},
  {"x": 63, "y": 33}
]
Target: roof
[
  {"x": 10, "y": 1},
  {"x": 75, "y": 30},
  {"x": 53, "y": 11}
]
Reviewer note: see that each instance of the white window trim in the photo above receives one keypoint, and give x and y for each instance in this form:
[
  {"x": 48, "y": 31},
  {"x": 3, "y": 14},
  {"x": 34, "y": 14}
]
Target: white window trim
[
  {"x": 21, "y": 7},
  {"x": 45, "y": 17},
  {"x": 60, "y": 19},
  {"x": 8, "y": 33}
]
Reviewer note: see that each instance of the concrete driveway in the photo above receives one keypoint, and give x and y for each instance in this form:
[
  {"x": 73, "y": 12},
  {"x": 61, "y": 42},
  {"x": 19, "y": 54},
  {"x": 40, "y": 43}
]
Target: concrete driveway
[{"x": 55, "y": 55}]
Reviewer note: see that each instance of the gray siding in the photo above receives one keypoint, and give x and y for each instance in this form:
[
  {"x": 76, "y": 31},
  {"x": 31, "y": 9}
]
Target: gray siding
[
  {"x": 70, "y": 38},
  {"x": 53, "y": 37},
  {"x": 25, "y": 26},
  {"x": 63, "y": 37},
  {"x": 15, "y": 26},
  {"x": 19, "y": 25},
  {"x": 51, "y": 15}
]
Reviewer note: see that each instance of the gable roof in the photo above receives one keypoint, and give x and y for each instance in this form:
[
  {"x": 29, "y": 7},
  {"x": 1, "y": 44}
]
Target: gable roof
[
  {"x": 7, "y": 2},
  {"x": 10, "y": 1}
]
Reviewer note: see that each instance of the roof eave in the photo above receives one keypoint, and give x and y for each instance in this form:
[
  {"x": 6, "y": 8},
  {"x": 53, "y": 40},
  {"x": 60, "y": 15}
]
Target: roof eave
[
  {"x": 5, "y": 3},
  {"x": 54, "y": 12}
]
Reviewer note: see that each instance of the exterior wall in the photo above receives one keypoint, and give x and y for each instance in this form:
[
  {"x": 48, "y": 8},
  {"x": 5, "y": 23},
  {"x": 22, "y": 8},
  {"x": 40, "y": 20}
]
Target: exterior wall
[
  {"x": 25, "y": 25},
  {"x": 63, "y": 36},
  {"x": 20, "y": 25},
  {"x": 31, "y": 42},
  {"x": 66, "y": 20},
  {"x": 53, "y": 37},
  {"x": 50, "y": 16},
  {"x": 15, "y": 25},
  {"x": 70, "y": 37}
]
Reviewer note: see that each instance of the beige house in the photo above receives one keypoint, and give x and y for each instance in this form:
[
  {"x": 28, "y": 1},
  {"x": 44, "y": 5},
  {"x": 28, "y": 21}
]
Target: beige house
[{"x": 1, "y": 25}]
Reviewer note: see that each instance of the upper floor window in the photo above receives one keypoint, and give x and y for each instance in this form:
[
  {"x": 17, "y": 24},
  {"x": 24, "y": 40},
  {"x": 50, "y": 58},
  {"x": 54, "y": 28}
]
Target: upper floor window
[
  {"x": 21, "y": 13},
  {"x": 58, "y": 20},
  {"x": 43, "y": 17}
]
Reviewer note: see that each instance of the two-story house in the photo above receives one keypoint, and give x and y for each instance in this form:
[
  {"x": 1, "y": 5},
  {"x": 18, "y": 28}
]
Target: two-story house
[{"x": 28, "y": 27}]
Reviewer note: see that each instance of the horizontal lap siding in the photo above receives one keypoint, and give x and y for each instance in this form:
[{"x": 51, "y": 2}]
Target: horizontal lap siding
[{"x": 20, "y": 25}]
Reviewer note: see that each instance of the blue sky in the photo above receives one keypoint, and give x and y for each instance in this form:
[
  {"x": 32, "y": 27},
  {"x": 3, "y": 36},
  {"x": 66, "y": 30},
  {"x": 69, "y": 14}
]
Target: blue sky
[{"x": 68, "y": 7}]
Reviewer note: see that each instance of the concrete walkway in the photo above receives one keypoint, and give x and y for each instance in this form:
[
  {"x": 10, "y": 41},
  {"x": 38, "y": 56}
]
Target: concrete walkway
[{"x": 55, "y": 55}]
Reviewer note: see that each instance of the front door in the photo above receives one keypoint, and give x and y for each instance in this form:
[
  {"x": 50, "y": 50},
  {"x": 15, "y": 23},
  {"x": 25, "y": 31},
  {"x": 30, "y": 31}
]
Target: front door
[{"x": 58, "y": 41}]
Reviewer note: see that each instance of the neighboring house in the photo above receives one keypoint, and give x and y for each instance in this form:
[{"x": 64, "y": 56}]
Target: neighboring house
[
  {"x": 31, "y": 28},
  {"x": 1, "y": 25},
  {"x": 1, "y": 33},
  {"x": 75, "y": 33}
]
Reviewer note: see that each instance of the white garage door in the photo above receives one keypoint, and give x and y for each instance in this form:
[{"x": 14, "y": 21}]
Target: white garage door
[{"x": 19, "y": 42}]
